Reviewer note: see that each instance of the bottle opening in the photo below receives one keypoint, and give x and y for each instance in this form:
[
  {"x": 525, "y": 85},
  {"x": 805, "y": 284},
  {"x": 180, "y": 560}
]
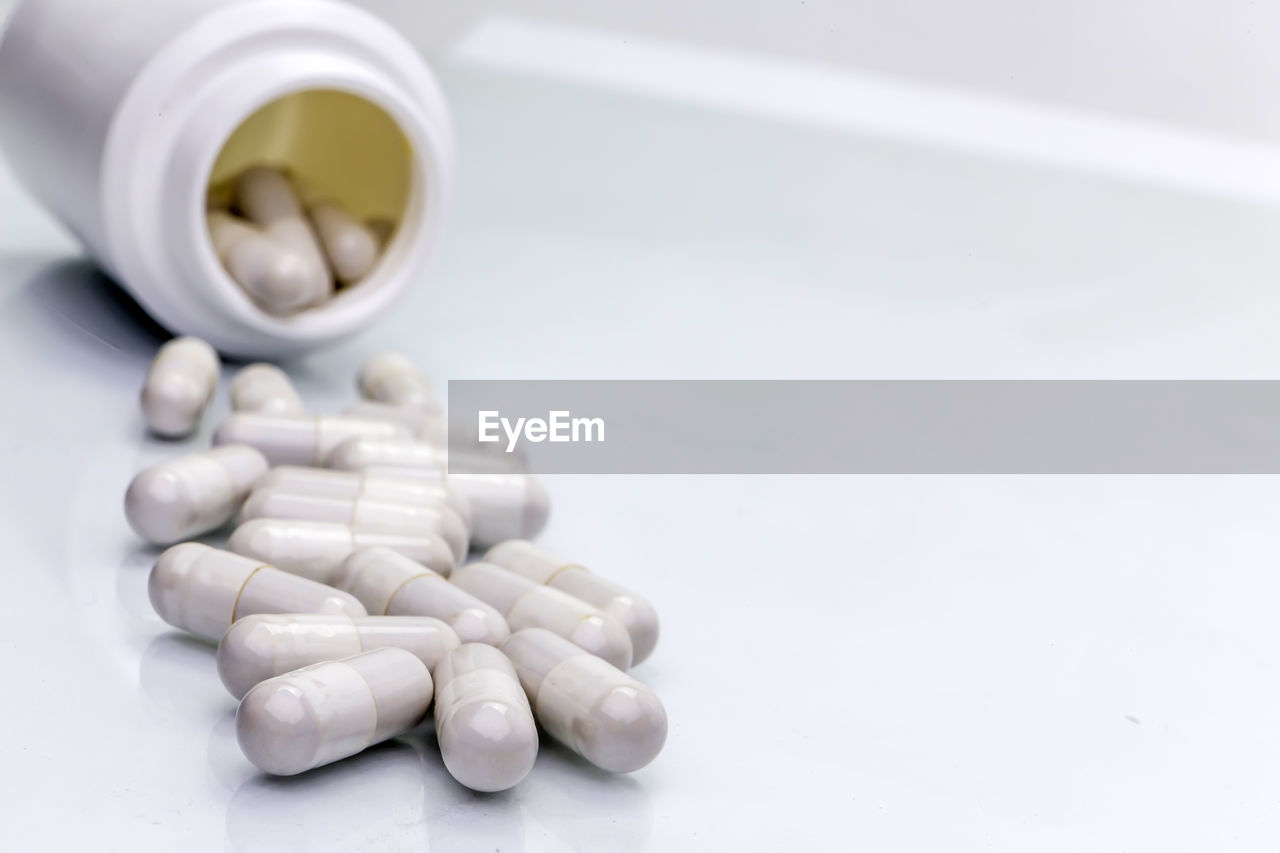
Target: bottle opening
[{"x": 335, "y": 148}]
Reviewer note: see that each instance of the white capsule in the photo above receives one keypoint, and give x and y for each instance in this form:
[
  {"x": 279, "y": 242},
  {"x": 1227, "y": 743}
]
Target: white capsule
[
  {"x": 265, "y": 388},
  {"x": 525, "y": 604},
  {"x": 179, "y": 385},
  {"x": 332, "y": 483},
  {"x": 386, "y": 581},
  {"x": 296, "y": 440},
  {"x": 503, "y": 506},
  {"x": 317, "y": 549},
  {"x": 426, "y": 425},
  {"x": 595, "y": 709},
  {"x": 351, "y": 246},
  {"x": 363, "y": 514},
  {"x": 184, "y": 497},
  {"x": 372, "y": 453},
  {"x": 263, "y": 646},
  {"x": 390, "y": 377},
  {"x": 541, "y": 566},
  {"x": 484, "y": 724},
  {"x": 268, "y": 199},
  {"x": 278, "y": 279},
  {"x": 203, "y": 590},
  {"x": 327, "y": 711}
]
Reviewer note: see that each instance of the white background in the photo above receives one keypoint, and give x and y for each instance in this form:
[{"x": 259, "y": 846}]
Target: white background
[{"x": 876, "y": 663}]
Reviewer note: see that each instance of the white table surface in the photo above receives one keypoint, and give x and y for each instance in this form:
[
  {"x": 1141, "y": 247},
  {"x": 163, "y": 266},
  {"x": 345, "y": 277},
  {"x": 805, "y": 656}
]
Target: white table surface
[{"x": 856, "y": 663}]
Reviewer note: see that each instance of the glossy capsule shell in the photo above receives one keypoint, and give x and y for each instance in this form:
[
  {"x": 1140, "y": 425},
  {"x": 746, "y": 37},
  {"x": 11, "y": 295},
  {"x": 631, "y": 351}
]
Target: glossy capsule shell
[
  {"x": 203, "y": 590},
  {"x": 317, "y": 549},
  {"x": 179, "y": 385},
  {"x": 598, "y": 711},
  {"x": 266, "y": 389},
  {"x": 426, "y": 424},
  {"x": 185, "y": 497},
  {"x": 385, "y": 581},
  {"x": 503, "y": 506},
  {"x": 484, "y": 724},
  {"x": 374, "y": 453},
  {"x": 328, "y": 711},
  {"x": 363, "y": 514},
  {"x": 541, "y": 566},
  {"x": 525, "y": 604},
  {"x": 299, "y": 440},
  {"x": 324, "y": 482},
  {"x": 263, "y": 646},
  {"x": 390, "y": 377}
]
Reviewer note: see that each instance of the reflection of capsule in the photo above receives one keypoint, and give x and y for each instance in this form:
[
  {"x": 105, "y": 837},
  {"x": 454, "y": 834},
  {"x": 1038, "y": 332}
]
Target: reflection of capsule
[
  {"x": 526, "y": 604},
  {"x": 203, "y": 590},
  {"x": 266, "y": 645},
  {"x": 386, "y": 581},
  {"x": 316, "y": 549},
  {"x": 327, "y": 711},
  {"x": 595, "y": 709},
  {"x": 541, "y": 566},
  {"x": 324, "y": 482},
  {"x": 362, "y": 513},
  {"x": 184, "y": 497},
  {"x": 483, "y": 721},
  {"x": 503, "y": 506},
  {"x": 375, "y": 802},
  {"x": 299, "y": 439}
]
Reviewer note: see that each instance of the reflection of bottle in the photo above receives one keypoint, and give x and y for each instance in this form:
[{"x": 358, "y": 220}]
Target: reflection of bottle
[{"x": 126, "y": 119}]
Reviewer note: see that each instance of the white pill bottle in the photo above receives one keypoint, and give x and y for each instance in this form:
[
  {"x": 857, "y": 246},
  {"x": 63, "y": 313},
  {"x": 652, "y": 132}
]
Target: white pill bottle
[{"x": 124, "y": 118}]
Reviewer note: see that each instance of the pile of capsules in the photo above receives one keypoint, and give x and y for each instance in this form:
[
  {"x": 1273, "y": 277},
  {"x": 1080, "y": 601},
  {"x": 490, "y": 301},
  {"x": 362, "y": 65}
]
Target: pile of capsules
[
  {"x": 342, "y": 605},
  {"x": 287, "y": 255}
]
